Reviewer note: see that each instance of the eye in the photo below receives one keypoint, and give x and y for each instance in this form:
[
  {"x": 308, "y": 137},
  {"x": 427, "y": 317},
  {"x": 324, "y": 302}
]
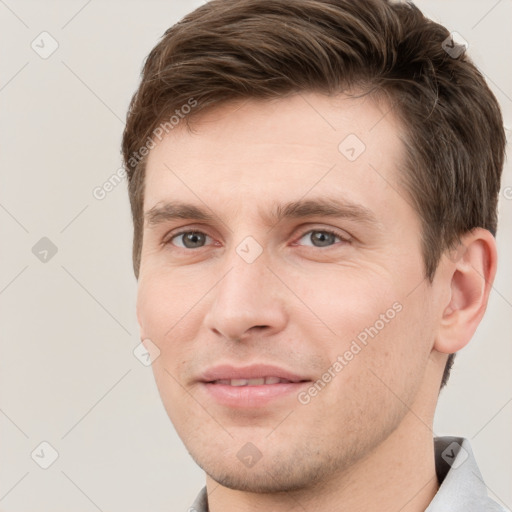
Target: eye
[
  {"x": 322, "y": 237},
  {"x": 197, "y": 239},
  {"x": 188, "y": 239}
]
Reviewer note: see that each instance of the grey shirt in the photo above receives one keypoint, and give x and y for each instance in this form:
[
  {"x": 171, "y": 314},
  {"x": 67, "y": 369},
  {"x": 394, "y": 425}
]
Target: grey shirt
[{"x": 461, "y": 489}]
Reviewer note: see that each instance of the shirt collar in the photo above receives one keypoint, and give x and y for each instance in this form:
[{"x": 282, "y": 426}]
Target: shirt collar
[{"x": 462, "y": 487}]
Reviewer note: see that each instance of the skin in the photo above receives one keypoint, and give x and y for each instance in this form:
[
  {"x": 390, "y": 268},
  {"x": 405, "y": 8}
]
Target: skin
[{"x": 364, "y": 442}]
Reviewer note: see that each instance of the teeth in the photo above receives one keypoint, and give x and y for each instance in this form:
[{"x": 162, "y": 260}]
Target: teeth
[
  {"x": 256, "y": 382},
  {"x": 239, "y": 382},
  {"x": 251, "y": 382}
]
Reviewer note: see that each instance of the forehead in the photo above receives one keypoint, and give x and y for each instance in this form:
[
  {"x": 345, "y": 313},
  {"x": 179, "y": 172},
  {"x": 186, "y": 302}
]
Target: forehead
[{"x": 256, "y": 151}]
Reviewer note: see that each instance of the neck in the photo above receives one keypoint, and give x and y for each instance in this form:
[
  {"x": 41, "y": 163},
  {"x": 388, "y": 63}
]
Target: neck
[{"x": 399, "y": 474}]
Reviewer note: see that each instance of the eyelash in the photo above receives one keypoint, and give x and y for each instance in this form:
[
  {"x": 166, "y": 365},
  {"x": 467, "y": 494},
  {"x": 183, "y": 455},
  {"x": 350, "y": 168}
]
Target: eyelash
[{"x": 168, "y": 239}]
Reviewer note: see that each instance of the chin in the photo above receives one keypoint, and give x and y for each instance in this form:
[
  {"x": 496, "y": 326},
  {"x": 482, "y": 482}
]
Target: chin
[
  {"x": 259, "y": 482},
  {"x": 278, "y": 473}
]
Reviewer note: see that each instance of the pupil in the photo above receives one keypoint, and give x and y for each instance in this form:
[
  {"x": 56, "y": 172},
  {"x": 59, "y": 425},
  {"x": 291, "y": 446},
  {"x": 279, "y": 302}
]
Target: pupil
[
  {"x": 194, "y": 239},
  {"x": 323, "y": 238}
]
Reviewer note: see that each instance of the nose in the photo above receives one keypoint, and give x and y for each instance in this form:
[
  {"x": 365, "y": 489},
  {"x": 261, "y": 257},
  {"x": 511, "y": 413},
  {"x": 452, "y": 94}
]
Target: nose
[{"x": 248, "y": 300}]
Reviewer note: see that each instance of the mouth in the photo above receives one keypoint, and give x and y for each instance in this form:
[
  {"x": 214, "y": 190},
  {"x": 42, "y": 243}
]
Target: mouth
[
  {"x": 251, "y": 386},
  {"x": 262, "y": 381}
]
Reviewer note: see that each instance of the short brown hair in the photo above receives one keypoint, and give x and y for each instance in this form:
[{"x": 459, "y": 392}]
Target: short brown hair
[{"x": 236, "y": 49}]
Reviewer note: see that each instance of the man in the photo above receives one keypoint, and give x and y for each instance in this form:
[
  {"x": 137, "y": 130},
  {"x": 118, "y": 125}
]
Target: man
[{"x": 313, "y": 187}]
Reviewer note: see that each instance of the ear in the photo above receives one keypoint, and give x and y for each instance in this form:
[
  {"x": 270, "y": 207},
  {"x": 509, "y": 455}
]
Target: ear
[{"x": 471, "y": 271}]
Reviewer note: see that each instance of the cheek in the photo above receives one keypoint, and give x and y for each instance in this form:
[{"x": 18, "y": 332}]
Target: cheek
[
  {"x": 379, "y": 334},
  {"x": 371, "y": 385},
  {"x": 166, "y": 304},
  {"x": 166, "y": 316},
  {"x": 351, "y": 302}
]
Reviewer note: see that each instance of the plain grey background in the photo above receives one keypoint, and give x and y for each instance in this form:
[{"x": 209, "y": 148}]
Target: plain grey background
[{"x": 68, "y": 375}]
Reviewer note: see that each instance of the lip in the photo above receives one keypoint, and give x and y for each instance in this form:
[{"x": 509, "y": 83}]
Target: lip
[
  {"x": 250, "y": 396},
  {"x": 254, "y": 371}
]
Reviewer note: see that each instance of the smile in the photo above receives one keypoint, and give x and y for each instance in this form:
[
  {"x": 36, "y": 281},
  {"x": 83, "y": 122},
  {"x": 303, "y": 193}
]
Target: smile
[{"x": 251, "y": 382}]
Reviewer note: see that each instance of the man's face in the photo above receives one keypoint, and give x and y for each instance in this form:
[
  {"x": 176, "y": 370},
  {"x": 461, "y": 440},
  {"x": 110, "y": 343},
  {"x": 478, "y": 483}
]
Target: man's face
[{"x": 336, "y": 307}]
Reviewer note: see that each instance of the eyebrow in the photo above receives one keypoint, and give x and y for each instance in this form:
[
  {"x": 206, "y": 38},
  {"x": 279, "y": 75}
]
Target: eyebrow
[{"x": 320, "y": 207}]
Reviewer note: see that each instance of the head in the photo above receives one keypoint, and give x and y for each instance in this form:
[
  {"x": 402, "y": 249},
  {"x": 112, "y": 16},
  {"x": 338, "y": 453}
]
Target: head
[{"x": 255, "y": 110}]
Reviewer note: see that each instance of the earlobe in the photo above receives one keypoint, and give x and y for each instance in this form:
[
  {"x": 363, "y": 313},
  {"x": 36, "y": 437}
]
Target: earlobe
[{"x": 472, "y": 270}]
